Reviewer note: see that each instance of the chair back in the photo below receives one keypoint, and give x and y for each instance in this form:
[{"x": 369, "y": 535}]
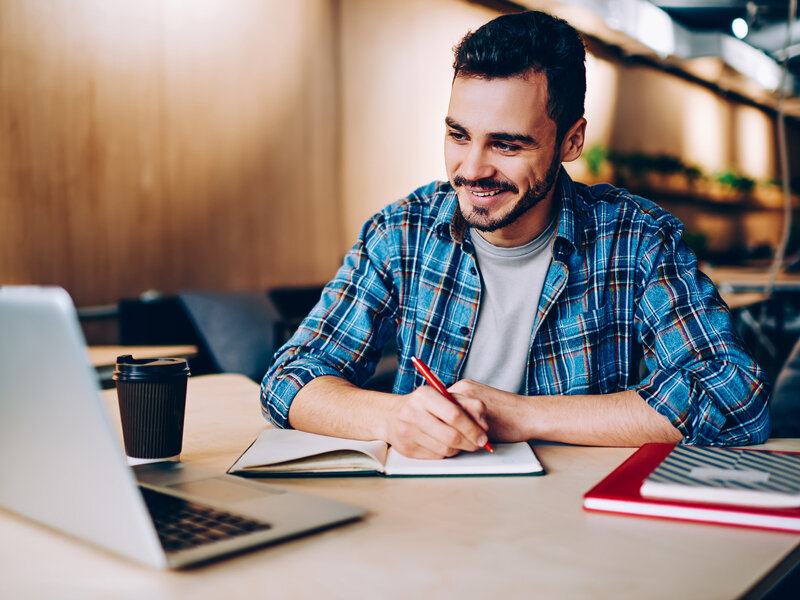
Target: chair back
[{"x": 241, "y": 330}]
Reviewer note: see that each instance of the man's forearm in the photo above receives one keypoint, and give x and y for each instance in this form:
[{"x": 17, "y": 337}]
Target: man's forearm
[
  {"x": 333, "y": 406},
  {"x": 619, "y": 419}
]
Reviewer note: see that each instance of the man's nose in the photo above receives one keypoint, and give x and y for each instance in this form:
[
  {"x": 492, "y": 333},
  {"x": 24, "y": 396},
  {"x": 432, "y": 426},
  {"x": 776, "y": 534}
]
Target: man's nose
[{"x": 477, "y": 164}]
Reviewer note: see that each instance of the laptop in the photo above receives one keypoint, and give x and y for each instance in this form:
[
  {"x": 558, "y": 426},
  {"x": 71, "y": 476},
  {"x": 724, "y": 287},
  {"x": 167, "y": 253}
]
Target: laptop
[{"x": 62, "y": 463}]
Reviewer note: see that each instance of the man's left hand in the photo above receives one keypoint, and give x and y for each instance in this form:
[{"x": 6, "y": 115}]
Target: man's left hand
[{"x": 506, "y": 413}]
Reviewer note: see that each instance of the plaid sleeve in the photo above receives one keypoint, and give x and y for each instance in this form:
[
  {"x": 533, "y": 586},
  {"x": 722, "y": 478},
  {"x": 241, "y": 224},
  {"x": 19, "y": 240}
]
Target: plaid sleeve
[
  {"x": 344, "y": 333},
  {"x": 701, "y": 376}
]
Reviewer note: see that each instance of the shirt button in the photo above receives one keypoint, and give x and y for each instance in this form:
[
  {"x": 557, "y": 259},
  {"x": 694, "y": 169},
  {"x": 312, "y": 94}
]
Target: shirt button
[
  {"x": 473, "y": 270},
  {"x": 464, "y": 330}
]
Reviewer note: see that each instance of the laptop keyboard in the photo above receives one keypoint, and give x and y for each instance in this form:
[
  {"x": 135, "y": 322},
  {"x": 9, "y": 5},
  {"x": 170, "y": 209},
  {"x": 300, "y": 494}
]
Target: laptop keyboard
[{"x": 182, "y": 524}]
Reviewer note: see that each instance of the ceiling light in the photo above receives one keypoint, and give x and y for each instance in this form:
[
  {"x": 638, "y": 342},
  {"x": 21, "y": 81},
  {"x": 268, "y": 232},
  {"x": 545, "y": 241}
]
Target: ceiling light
[{"x": 740, "y": 28}]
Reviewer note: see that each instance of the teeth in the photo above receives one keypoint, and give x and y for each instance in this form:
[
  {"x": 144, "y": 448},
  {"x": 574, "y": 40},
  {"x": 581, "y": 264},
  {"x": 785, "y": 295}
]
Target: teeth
[{"x": 485, "y": 194}]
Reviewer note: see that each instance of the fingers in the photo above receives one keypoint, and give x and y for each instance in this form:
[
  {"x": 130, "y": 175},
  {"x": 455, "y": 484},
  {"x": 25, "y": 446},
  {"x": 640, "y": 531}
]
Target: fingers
[
  {"x": 468, "y": 392},
  {"x": 475, "y": 409},
  {"x": 461, "y": 424},
  {"x": 416, "y": 450},
  {"x": 430, "y": 426},
  {"x": 451, "y": 426}
]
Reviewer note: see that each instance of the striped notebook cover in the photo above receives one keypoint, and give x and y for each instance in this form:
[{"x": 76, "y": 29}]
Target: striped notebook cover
[{"x": 726, "y": 476}]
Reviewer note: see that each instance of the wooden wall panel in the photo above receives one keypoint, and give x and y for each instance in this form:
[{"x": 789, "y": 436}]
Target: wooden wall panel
[
  {"x": 167, "y": 145},
  {"x": 186, "y": 144},
  {"x": 397, "y": 58}
]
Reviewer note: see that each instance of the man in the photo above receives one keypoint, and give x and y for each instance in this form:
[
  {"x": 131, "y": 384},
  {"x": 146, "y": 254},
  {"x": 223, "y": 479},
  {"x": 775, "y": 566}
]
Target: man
[{"x": 535, "y": 298}]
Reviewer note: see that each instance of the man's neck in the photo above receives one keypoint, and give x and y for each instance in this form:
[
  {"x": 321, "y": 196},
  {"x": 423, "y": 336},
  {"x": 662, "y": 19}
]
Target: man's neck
[{"x": 528, "y": 227}]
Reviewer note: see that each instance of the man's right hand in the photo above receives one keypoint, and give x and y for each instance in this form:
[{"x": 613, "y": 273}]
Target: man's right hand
[{"x": 424, "y": 424}]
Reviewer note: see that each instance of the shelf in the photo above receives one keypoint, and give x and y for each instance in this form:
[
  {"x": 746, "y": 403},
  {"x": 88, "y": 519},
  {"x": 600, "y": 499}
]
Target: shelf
[{"x": 727, "y": 203}]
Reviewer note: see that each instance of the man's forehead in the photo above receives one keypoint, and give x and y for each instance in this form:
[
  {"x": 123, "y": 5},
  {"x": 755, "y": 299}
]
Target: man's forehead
[{"x": 492, "y": 102}]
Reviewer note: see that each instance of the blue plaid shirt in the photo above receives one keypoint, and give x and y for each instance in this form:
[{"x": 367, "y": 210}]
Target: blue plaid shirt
[{"x": 622, "y": 286}]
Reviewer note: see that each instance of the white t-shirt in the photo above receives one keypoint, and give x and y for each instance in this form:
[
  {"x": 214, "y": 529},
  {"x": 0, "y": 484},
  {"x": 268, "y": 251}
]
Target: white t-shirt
[{"x": 511, "y": 285}]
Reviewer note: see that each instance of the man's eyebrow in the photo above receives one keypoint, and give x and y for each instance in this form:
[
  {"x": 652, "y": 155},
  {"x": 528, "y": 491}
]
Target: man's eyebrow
[
  {"x": 517, "y": 138},
  {"x": 453, "y": 124}
]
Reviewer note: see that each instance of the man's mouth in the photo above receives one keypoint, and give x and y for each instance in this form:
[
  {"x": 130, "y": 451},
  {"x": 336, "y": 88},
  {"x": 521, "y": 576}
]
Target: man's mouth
[{"x": 484, "y": 188}]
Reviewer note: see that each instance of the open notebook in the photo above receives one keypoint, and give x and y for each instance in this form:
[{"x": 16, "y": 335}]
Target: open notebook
[{"x": 288, "y": 452}]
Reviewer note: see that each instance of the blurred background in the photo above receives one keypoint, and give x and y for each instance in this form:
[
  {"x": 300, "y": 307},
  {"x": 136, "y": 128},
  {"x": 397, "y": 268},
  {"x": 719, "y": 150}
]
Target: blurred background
[{"x": 153, "y": 147}]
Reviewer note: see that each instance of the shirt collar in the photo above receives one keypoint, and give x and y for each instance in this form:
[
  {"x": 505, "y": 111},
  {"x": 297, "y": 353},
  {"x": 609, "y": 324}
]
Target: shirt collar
[
  {"x": 450, "y": 224},
  {"x": 570, "y": 225}
]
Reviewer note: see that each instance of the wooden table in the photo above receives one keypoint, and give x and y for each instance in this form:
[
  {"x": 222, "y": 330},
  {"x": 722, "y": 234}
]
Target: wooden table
[
  {"x": 739, "y": 300},
  {"x": 106, "y": 356},
  {"x": 755, "y": 279},
  {"x": 482, "y": 538}
]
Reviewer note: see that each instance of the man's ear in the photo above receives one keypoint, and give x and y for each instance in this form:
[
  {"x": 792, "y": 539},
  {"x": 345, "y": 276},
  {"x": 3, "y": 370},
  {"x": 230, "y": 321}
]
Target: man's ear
[{"x": 572, "y": 145}]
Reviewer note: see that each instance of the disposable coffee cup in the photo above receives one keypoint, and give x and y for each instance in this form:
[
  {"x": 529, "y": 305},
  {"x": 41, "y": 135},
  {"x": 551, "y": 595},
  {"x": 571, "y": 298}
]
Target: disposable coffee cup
[{"x": 152, "y": 403}]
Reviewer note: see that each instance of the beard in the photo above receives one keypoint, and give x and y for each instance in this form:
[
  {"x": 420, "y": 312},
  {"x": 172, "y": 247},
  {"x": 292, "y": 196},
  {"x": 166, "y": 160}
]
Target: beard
[{"x": 478, "y": 216}]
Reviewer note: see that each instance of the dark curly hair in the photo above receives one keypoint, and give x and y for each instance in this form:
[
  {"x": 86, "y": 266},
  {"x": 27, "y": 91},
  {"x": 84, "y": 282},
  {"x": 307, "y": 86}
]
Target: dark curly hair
[{"x": 517, "y": 43}]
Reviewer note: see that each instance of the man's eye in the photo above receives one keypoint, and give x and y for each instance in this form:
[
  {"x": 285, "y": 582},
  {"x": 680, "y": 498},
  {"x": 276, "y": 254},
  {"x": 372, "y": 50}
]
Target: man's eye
[
  {"x": 503, "y": 147},
  {"x": 457, "y": 136}
]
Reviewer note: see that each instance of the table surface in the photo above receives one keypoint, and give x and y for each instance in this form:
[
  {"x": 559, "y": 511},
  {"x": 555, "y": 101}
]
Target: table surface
[
  {"x": 737, "y": 300},
  {"x": 490, "y": 537},
  {"x": 751, "y": 278}
]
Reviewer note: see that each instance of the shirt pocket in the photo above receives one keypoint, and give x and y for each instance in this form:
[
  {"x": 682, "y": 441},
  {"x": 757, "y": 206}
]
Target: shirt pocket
[{"x": 576, "y": 352}]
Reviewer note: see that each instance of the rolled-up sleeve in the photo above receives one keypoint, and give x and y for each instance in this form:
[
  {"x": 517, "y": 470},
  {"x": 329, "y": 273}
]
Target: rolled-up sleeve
[
  {"x": 344, "y": 333},
  {"x": 701, "y": 376}
]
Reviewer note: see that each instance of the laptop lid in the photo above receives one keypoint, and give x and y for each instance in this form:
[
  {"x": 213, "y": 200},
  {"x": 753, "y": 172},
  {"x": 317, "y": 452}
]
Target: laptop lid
[
  {"x": 60, "y": 461},
  {"x": 62, "y": 464}
]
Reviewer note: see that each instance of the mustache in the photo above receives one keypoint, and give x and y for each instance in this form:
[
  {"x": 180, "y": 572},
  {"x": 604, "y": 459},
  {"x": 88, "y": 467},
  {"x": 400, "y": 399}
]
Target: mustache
[{"x": 485, "y": 184}]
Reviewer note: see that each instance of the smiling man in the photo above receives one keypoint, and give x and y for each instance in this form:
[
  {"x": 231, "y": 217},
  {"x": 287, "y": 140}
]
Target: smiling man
[
  {"x": 503, "y": 156},
  {"x": 553, "y": 310}
]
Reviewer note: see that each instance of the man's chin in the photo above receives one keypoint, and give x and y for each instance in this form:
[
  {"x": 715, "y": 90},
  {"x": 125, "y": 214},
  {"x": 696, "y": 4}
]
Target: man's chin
[
  {"x": 482, "y": 220},
  {"x": 480, "y": 217}
]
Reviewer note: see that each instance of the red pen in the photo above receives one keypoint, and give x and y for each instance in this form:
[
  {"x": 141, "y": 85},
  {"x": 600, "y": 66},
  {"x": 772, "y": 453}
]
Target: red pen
[{"x": 439, "y": 387}]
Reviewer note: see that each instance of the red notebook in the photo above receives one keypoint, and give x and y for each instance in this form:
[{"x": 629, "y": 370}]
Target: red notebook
[{"x": 619, "y": 493}]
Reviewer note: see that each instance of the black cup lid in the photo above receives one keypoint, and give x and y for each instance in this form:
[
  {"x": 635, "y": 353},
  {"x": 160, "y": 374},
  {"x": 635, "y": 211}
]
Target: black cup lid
[{"x": 139, "y": 369}]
